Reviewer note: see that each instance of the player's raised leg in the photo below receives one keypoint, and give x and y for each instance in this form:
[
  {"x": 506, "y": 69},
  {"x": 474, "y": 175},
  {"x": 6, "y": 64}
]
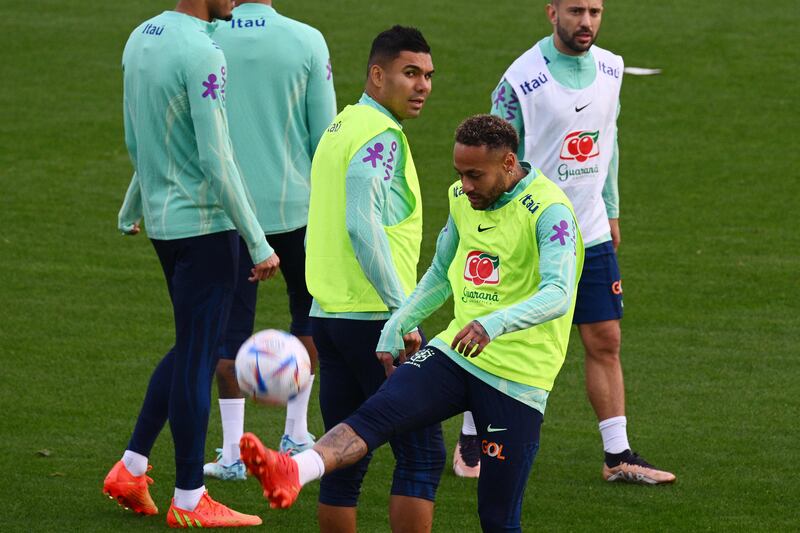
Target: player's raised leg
[{"x": 440, "y": 380}]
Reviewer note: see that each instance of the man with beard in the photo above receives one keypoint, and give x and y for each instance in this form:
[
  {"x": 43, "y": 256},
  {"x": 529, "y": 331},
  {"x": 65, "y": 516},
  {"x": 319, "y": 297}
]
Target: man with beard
[
  {"x": 187, "y": 187},
  {"x": 562, "y": 97}
]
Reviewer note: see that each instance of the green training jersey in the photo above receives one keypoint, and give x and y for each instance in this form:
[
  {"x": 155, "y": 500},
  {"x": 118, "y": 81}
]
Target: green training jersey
[
  {"x": 496, "y": 266},
  {"x": 377, "y": 194},
  {"x": 185, "y": 181},
  {"x": 280, "y": 99},
  {"x": 333, "y": 271},
  {"x": 557, "y": 266}
]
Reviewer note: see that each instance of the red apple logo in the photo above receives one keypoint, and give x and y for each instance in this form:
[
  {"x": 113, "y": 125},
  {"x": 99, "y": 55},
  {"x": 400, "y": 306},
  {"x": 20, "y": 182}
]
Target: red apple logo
[
  {"x": 580, "y": 146},
  {"x": 482, "y": 268}
]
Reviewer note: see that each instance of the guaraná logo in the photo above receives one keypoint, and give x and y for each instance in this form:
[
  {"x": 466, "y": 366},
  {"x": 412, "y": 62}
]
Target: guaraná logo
[
  {"x": 580, "y": 146},
  {"x": 482, "y": 268}
]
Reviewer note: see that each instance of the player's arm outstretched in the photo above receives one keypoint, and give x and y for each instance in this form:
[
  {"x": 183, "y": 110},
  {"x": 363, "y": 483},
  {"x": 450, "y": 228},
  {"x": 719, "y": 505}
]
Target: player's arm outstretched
[
  {"x": 557, "y": 266},
  {"x": 431, "y": 292},
  {"x": 205, "y": 86}
]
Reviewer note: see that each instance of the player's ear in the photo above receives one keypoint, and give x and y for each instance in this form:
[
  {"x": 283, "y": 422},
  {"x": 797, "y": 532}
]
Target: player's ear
[
  {"x": 376, "y": 75},
  {"x": 510, "y": 161},
  {"x": 550, "y": 9}
]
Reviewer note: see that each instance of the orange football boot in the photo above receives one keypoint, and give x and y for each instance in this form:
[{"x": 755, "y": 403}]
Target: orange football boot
[
  {"x": 209, "y": 513},
  {"x": 130, "y": 491},
  {"x": 277, "y": 472}
]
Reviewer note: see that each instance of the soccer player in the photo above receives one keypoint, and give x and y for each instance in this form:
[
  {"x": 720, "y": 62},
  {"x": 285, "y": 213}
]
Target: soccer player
[
  {"x": 363, "y": 244},
  {"x": 280, "y": 100},
  {"x": 562, "y": 96},
  {"x": 510, "y": 255},
  {"x": 187, "y": 187}
]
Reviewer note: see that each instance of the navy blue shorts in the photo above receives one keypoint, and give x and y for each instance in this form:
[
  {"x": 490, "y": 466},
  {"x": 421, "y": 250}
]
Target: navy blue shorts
[
  {"x": 599, "y": 295},
  {"x": 349, "y": 374},
  {"x": 290, "y": 247},
  {"x": 429, "y": 388}
]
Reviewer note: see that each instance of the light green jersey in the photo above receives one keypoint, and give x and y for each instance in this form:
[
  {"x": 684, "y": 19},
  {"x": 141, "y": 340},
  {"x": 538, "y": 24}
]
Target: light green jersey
[
  {"x": 557, "y": 266},
  {"x": 333, "y": 271},
  {"x": 280, "y": 99},
  {"x": 497, "y": 267},
  {"x": 185, "y": 181},
  {"x": 377, "y": 194}
]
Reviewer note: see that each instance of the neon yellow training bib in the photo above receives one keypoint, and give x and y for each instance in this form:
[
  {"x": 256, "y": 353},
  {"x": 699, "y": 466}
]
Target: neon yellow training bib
[
  {"x": 333, "y": 274},
  {"x": 496, "y": 266}
]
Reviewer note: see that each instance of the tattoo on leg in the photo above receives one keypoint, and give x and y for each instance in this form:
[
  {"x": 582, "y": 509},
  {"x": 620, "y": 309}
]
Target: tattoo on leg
[{"x": 340, "y": 447}]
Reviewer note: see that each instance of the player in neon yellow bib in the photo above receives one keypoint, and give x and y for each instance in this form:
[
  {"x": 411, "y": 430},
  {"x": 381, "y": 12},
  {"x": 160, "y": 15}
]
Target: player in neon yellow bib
[
  {"x": 363, "y": 242},
  {"x": 511, "y": 256}
]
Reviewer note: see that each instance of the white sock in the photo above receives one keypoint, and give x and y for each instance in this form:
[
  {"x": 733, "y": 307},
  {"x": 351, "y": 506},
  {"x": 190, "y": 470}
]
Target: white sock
[
  {"x": 296, "y": 414},
  {"x": 136, "y": 463},
  {"x": 188, "y": 499},
  {"x": 309, "y": 466},
  {"x": 614, "y": 433},
  {"x": 231, "y": 411},
  {"x": 468, "y": 425}
]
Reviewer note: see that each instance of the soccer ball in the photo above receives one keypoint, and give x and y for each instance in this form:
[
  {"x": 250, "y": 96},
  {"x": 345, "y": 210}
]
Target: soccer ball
[{"x": 272, "y": 366}]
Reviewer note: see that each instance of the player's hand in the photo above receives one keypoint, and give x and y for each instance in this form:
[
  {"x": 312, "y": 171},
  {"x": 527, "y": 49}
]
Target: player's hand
[
  {"x": 387, "y": 361},
  {"x": 265, "y": 269},
  {"x": 131, "y": 230},
  {"x": 471, "y": 340},
  {"x": 615, "y": 236},
  {"x": 412, "y": 342}
]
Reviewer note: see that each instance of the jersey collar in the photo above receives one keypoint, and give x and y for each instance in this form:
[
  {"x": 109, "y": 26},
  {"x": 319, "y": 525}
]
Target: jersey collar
[
  {"x": 253, "y": 8},
  {"x": 558, "y": 60},
  {"x": 368, "y": 100}
]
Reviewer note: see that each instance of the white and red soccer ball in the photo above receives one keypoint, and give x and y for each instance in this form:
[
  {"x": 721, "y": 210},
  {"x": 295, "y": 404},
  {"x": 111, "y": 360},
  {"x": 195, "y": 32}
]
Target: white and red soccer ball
[{"x": 272, "y": 366}]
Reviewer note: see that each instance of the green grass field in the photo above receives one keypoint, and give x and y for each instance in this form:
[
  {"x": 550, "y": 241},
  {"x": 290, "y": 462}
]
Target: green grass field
[{"x": 709, "y": 186}]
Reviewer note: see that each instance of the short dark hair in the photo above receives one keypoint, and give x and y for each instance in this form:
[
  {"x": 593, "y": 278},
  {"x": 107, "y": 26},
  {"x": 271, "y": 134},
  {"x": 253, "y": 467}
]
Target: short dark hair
[
  {"x": 388, "y": 44},
  {"x": 487, "y": 130}
]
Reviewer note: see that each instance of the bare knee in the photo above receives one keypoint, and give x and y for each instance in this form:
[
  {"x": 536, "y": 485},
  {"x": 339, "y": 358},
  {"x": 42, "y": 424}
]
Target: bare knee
[{"x": 602, "y": 340}]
